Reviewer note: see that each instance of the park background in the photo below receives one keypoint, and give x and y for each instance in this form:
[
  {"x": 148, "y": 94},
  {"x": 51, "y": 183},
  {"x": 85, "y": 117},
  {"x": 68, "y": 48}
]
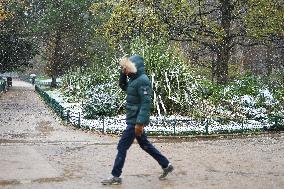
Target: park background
[{"x": 215, "y": 66}]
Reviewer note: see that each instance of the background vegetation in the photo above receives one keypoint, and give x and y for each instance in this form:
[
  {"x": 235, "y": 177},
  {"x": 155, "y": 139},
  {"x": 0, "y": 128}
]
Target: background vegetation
[{"x": 218, "y": 59}]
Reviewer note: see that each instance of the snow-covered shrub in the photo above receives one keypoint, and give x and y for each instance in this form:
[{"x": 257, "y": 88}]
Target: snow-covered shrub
[
  {"x": 177, "y": 90},
  {"x": 247, "y": 101},
  {"x": 265, "y": 99},
  {"x": 96, "y": 88},
  {"x": 73, "y": 84},
  {"x": 76, "y": 84},
  {"x": 104, "y": 100},
  {"x": 248, "y": 98}
]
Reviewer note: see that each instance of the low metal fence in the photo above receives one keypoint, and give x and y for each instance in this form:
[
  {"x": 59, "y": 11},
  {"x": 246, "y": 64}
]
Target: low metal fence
[
  {"x": 161, "y": 126},
  {"x": 64, "y": 113},
  {"x": 51, "y": 102}
]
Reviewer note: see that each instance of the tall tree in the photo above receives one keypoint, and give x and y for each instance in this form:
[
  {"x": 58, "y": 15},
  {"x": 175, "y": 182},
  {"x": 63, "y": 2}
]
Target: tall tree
[
  {"x": 104, "y": 52},
  {"x": 265, "y": 18},
  {"x": 65, "y": 31},
  {"x": 16, "y": 50},
  {"x": 213, "y": 26},
  {"x": 129, "y": 19},
  {"x": 265, "y": 21}
]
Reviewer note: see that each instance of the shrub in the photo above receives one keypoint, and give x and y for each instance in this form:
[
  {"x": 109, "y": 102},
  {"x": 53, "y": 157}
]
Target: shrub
[
  {"x": 175, "y": 89},
  {"x": 104, "y": 100},
  {"x": 246, "y": 98},
  {"x": 76, "y": 84},
  {"x": 96, "y": 88}
]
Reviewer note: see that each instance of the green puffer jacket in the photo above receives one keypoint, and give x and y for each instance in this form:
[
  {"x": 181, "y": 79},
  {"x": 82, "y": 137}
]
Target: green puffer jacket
[{"x": 139, "y": 92}]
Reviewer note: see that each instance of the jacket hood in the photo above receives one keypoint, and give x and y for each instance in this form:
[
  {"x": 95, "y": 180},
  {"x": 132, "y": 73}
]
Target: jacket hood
[
  {"x": 139, "y": 63},
  {"x": 135, "y": 64}
]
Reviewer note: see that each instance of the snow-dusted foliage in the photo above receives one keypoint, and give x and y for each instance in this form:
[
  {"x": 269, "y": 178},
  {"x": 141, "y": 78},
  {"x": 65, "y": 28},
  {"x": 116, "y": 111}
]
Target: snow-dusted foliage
[
  {"x": 96, "y": 89},
  {"x": 246, "y": 103},
  {"x": 223, "y": 110},
  {"x": 77, "y": 84},
  {"x": 175, "y": 88},
  {"x": 104, "y": 100},
  {"x": 247, "y": 99}
]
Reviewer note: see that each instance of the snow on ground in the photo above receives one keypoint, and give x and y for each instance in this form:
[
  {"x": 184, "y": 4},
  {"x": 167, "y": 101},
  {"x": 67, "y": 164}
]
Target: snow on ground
[{"x": 160, "y": 125}]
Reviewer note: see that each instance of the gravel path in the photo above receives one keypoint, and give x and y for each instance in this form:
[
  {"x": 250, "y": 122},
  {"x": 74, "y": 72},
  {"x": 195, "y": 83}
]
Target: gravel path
[{"x": 38, "y": 151}]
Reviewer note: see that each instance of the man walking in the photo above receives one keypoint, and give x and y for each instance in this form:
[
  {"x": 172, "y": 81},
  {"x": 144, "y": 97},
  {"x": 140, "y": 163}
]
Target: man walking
[{"x": 138, "y": 104}]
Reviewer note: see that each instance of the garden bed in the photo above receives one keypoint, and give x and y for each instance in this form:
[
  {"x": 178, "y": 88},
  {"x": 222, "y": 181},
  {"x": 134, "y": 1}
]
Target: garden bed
[{"x": 173, "y": 125}]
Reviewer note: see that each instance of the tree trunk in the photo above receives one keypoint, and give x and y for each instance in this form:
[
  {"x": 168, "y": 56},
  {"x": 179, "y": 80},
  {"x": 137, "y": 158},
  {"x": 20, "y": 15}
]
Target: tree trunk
[
  {"x": 223, "y": 51},
  {"x": 213, "y": 68},
  {"x": 269, "y": 61},
  {"x": 56, "y": 59},
  {"x": 222, "y": 65}
]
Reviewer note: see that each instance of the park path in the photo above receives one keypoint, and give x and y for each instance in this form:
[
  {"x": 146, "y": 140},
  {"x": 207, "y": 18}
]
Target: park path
[{"x": 38, "y": 151}]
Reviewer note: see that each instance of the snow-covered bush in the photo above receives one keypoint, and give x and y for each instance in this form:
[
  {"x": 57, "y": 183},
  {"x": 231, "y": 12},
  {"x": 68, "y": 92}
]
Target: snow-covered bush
[
  {"x": 95, "y": 88},
  {"x": 74, "y": 84},
  {"x": 104, "y": 100},
  {"x": 77, "y": 84},
  {"x": 246, "y": 99}
]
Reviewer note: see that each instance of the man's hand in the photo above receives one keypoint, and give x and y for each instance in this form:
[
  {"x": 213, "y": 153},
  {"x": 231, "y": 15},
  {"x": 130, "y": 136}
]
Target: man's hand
[{"x": 139, "y": 129}]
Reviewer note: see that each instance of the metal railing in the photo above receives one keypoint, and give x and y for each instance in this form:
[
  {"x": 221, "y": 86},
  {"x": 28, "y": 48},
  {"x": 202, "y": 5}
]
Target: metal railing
[{"x": 51, "y": 102}]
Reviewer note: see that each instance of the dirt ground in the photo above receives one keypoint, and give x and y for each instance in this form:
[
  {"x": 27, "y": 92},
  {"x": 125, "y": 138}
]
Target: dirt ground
[{"x": 38, "y": 151}]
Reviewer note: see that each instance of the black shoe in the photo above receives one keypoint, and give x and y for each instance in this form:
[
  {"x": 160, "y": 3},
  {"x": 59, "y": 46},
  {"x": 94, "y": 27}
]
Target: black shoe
[
  {"x": 112, "y": 181},
  {"x": 166, "y": 171}
]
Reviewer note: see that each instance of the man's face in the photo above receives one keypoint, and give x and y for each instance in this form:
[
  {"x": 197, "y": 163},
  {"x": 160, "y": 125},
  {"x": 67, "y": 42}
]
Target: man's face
[{"x": 125, "y": 71}]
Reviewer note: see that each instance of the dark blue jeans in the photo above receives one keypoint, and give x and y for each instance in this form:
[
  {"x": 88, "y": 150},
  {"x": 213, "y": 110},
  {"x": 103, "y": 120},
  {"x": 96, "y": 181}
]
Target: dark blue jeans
[{"x": 124, "y": 144}]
